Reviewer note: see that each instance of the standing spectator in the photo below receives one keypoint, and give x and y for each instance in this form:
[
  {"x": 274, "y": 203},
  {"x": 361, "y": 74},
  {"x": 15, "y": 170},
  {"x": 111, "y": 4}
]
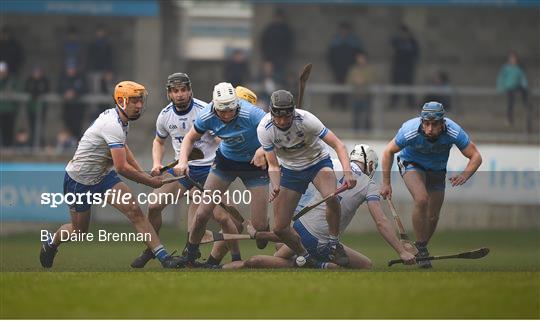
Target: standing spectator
[
  {"x": 277, "y": 43},
  {"x": 22, "y": 140},
  {"x": 100, "y": 57},
  {"x": 106, "y": 87},
  {"x": 341, "y": 56},
  {"x": 512, "y": 80},
  {"x": 236, "y": 68},
  {"x": 36, "y": 85},
  {"x": 8, "y": 109},
  {"x": 361, "y": 75},
  {"x": 71, "y": 87},
  {"x": 11, "y": 51},
  {"x": 270, "y": 82},
  {"x": 440, "y": 81},
  {"x": 406, "y": 54},
  {"x": 72, "y": 48}
]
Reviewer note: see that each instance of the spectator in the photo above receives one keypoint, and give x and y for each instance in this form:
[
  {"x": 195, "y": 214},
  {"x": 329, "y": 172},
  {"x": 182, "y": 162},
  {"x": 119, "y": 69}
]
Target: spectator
[
  {"x": 36, "y": 85},
  {"x": 106, "y": 87},
  {"x": 361, "y": 75},
  {"x": 277, "y": 43},
  {"x": 341, "y": 56},
  {"x": 270, "y": 82},
  {"x": 8, "y": 109},
  {"x": 236, "y": 68},
  {"x": 72, "y": 48},
  {"x": 440, "y": 81},
  {"x": 512, "y": 80},
  {"x": 71, "y": 87},
  {"x": 100, "y": 57},
  {"x": 22, "y": 140},
  {"x": 11, "y": 51},
  {"x": 406, "y": 53},
  {"x": 65, "y": 142}
]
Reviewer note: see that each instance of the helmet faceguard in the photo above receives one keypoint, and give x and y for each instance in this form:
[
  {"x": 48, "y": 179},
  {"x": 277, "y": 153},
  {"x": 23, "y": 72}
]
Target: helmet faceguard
[
  {"x": 126, "y": 90},
  {"x": 282, "y": 109},
  {"x": 246, "y": 94},
  {"x": 432, "y": 111},
  {"x": 179, "y": 79},
  {"x": 365, "y": 154}
]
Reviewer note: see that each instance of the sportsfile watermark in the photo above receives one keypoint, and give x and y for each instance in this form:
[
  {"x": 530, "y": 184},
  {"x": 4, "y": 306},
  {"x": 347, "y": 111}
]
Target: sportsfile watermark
[{"x": 117, "y": 197}]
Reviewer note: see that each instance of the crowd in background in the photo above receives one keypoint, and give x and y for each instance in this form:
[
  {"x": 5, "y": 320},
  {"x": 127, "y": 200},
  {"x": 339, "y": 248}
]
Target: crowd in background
[{"x": 88, "y": 68}]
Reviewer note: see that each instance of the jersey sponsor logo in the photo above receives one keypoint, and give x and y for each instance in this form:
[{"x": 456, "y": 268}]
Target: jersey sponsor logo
[
  {"x": 234, "y": 140},
  {"x": 173, "y": 126},
  {"x": 300, "y": 145}
]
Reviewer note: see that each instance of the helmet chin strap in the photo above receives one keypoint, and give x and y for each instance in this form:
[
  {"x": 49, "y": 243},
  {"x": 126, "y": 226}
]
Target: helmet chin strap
[{"x": 123, "y": 111}]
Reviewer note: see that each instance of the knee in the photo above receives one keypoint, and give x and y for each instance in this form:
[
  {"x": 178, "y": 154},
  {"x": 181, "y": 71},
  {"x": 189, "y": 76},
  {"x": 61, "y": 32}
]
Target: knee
[
  {"x": 252, "y": 262},
  {"x": 154, "y": 210},
  {"x": 134, "y": 214},
  {"x": 421, "y": 201}
]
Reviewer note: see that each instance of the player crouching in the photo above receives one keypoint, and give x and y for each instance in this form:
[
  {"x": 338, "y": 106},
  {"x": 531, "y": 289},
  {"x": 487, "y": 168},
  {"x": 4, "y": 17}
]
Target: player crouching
[{"x": 313, "y": 227}]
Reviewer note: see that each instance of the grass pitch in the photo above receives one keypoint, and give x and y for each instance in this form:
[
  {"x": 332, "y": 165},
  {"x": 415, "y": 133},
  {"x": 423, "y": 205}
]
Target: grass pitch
[{"x": 93, "y": 280}]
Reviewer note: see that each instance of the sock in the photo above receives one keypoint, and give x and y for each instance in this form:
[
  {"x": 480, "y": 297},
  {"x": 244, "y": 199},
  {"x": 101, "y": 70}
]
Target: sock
[
  {"x": 334, "y": 239},
  {"x": 160, "y": 252},
  {"x": 50, "y": 242},
  {"x": 193, "y": 249},
  {"x": 212, "y": 260},
  {"x": 236, "y": 257},
  {"x": 421, "y": 244}
]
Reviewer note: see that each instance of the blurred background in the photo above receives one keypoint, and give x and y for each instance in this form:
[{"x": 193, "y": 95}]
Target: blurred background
[{"x": 374, "y": 64}]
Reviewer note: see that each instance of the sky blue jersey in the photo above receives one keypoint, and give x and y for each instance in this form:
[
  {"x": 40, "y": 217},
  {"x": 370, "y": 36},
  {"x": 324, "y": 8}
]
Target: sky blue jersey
[
  {"x": 239, "y": 137},
  {"x": 415, "y": 147}
]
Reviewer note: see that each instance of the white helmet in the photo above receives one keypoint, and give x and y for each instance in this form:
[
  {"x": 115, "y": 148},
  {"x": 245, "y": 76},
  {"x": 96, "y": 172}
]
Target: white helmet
[
  {"x": 367, "y": 155},
  {"x": 224, "y": 97}
]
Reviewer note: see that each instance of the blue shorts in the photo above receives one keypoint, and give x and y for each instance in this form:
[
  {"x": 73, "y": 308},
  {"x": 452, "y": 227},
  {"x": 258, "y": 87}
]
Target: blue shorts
[
  {"x": 228, "y": 170},
  {"x": 196, "y": 173},
  {"x": 435, "y": 180},
  {"x": 299, "y": 180},
  {"x": 74, "y": 187},
  {"x": 316, "y": 249}
]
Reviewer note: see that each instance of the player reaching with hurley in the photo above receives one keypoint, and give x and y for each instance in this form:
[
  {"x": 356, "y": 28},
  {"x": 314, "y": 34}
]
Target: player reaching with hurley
[
  {"x": 175, "y": 121},
  {"x": 102, "y": 148},
  {"x": 424, "y": 145},
  {"x": 239, "y": 155},
  {"x": 313, "y": 228},
  {"x": 298, "y": 139}
]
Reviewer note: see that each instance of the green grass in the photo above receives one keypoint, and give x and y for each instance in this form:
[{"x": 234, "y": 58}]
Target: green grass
[{"x": 93, "y": 280}]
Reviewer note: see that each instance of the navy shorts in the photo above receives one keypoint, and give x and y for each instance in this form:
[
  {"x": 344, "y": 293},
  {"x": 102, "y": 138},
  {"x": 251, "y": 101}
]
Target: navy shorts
[
  {"x": 196, "y": 173},
  {"x": 228, "y": 170},
  {"x": 299, "y": 180},
  {"x": 74, "y": 187},
  {"x": 317, "y": 250},
  {"x": 435, "y": 180}
]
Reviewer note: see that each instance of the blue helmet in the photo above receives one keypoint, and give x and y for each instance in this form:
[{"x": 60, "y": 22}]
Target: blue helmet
[{"x": 432, "y": 111}]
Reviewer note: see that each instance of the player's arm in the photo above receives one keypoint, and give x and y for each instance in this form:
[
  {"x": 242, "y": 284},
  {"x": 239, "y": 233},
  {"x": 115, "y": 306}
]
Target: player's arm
[
  {"x": 124, "y": 168},
  {"x": 158, "y": 149},
  {"x": 386, "y": 230},
  {"x": 274, "y": 172},
  {"x": 333, "y": 141},
  {"x": 475, "y": 160},
  {"x": 131, "y": 159},
  {"x": 187, "y": 146},
  {"x": 386, "y": 163}
]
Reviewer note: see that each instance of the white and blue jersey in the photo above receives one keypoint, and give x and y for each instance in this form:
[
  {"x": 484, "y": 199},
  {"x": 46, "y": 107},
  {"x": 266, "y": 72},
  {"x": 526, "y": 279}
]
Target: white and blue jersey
[
  {"x": 93, "y": 160},
  {"x": 415, "y": 146},
  {"x": 238, "y": 137},
  {"x": 177, "y": 124}
]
